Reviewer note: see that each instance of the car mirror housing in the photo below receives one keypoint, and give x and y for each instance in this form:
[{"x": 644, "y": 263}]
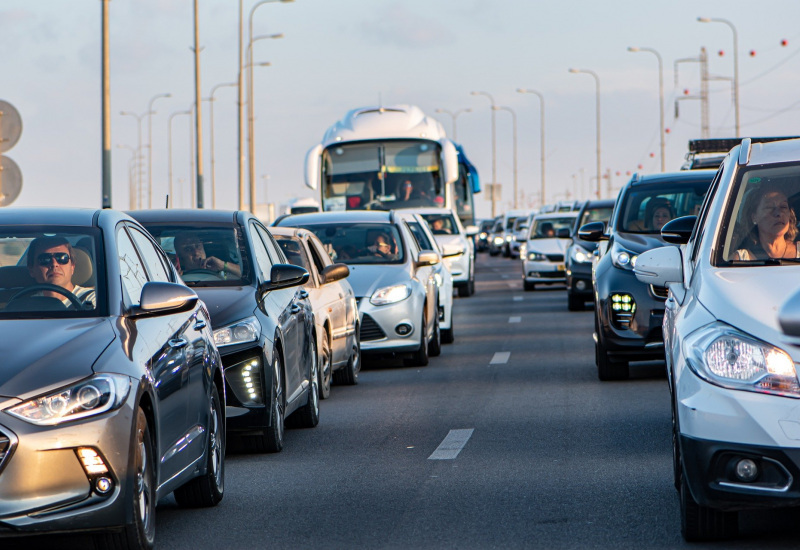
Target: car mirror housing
[
  {"x": 659, "y": 266},
  {"x": 283, "y": 276},
  {"x": 679, "y": 230},
  {"x": 334, "y": 272},
  {"x": 593, "y": 232},
  {"x": 162, "y": 297},
  {"x": 471, "y": 230},
  {"x": 427, "y": 257}
]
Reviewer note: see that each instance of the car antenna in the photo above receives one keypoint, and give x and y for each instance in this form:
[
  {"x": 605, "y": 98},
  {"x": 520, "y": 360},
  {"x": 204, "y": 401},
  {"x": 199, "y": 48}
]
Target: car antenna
[{"x": 166, "y": 205}]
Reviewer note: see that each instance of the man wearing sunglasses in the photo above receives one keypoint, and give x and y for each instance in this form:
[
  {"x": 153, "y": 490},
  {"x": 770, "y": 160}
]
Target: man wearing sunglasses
[{"x": 51, "y": 261}]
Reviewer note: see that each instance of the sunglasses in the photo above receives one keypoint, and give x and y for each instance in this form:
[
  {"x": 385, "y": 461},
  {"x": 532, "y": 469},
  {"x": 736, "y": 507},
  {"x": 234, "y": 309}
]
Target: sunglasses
[{"x": 46, "y": 258}]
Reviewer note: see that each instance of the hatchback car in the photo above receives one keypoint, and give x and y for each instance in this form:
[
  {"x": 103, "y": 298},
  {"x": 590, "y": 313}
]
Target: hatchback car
[
  {"x": 262, "y": 319},
  {"x": 629, "y": 314},
  {"x": 542, "y": 253},
  {"x": 580, "y": 253},
  {"x": 393, "y": 280},
  {"x": 112, "y": 392},
  {"x": 334, "y": 305},
  {"x": 449, "y": 233},
  {"x": 732, "y": 336}
]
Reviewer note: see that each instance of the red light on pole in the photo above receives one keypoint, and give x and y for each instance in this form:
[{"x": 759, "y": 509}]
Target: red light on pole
[
  {"x": 721, "y": 53},
  {"x": 667, "y": 130},
  {"x": 686, "y": 92},
  {"x": 752, "y": 53},
  {"x": 628, "y": 173},
  {"x": 640, "y": 166},
  {"x": 618, "y": 173},
  {"x": 784, "y": 42},
  {"x": 652, "y": 155}
]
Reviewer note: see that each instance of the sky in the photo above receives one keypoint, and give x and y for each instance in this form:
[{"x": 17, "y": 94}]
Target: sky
[{"x": 337, "y": 55}]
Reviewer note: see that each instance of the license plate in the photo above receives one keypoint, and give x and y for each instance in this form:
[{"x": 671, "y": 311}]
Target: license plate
[{"x": 561, "y": 267}]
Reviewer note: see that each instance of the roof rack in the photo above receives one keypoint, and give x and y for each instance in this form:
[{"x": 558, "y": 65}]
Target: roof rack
[{"x": 723, "y": 145}]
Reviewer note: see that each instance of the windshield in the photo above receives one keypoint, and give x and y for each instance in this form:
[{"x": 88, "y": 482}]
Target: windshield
[
  {"x": 380, "y": 175},
  {"x": 49, "y": 272},
  {"x": 360, "y": 243},
  {"x": 441, "y": 224},
  {"x": 760, "y": 226},
  {"x": 205, "y": 255},
  {"x": 547, "y": 228},
  {"x": 596, "y": 215},
  {"x": 646, "y": 210}
]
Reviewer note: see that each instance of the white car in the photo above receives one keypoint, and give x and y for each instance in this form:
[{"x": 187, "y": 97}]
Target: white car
[
  {"x": 451, "y": 235},
  {"x": 542, "y": 254},
  {"x": 731, "y": 333}
]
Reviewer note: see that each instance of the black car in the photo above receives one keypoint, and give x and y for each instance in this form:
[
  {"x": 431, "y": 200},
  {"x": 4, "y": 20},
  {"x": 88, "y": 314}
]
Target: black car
[
  {"x": 482, "y": 238},
  {"x": 262, "y": 320},
  {"x": 579, "y": 255},
  {"x": 628, "y": 313}
]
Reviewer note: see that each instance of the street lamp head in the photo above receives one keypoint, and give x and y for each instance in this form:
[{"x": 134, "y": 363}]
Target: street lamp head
[
  {"x": 474, "y": 93},
  {"x": 633, "y": 49},
  {"x": 704, "y": 19},
  {"x": 574, "y": 70}
]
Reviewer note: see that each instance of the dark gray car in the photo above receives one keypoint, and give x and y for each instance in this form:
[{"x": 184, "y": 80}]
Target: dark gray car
[{"x": 112, "y": 393}]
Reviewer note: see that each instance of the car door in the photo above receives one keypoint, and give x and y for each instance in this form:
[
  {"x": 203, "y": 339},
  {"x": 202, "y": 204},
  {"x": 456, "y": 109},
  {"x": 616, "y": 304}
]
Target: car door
[
  {"x": 163, "y": 340},
  {"x": 330, "y": 298}
]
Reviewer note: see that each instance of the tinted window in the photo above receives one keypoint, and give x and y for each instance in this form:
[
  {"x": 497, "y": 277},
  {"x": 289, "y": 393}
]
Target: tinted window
[
  {"x": 596, "y": 215},
  {"x": 152, "y": 257},
  {"x": 131, "y": 268},
  {"x": 647, "y": 209},
  {"x": 419, "y": 235},
  {"x": 547, "y": 228},
  {"x": 441, "y": 225},
  {"x": 293, "y": 251},
  {"x": 260, "y": 250},
  {"x": 361, "y": 243}
]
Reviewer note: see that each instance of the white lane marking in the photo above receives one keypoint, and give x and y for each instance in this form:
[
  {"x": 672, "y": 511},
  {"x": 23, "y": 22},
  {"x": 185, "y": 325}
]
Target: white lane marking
[
  {"x": 504, "y": 276},
  {"x": 515, "y": 319},
  {"x": 517, "y": 298},
  {"x": 512, "y": 285},
  {"x": 451, "y": 445},
  {"x": 500, "y": 358}
]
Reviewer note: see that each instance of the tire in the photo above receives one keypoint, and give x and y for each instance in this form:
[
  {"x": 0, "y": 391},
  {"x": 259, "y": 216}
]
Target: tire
[
  {"x": 574, "y": 303},
  {"x": 420, "y": 357},
  {"x": 348, "y": 376},
  {"x": 448, "y": 334},
  {"x": 528, "y": 285},
  {"x": 141, "y": 532},
  {"x": 207, "y": 490},
  {"x": 435, "y": 345},
  {"x": 324, "y": 369},
  {"x": 463, "y": 290},
  {"x": 701, "y": 523},
  {"x": 676, "y": 455},
  {"x": 606, "y": 368},
  {"x": 307, "y": 416},
  {"x": 272, "y": 439}
]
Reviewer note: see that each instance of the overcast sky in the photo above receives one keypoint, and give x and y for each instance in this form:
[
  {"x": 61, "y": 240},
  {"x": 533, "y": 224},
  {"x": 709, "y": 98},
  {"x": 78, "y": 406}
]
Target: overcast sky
[{"x": 340, "y": 54}]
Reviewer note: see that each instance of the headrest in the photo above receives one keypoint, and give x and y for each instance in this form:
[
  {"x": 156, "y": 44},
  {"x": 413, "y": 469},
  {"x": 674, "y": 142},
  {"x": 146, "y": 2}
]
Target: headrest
[{"x": 84, "y": 272}]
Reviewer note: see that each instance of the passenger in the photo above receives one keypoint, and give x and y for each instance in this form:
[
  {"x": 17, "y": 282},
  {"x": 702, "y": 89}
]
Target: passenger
[
  {"x": 191, "y": 256},
  {"x": 660, "y": 213},
  {"x": 769, "y": 226},
  {"x": 51, "y": 260},
  {"x": 383, "y": 246},
  {"x": 438, "y": 227},
  {"x": 408, "y": 192},
  {"x": 546, "y": 230}
]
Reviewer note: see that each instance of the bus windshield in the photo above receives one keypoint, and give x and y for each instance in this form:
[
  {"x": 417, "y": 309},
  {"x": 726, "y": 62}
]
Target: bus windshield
[{"x": 381, "y": 175}]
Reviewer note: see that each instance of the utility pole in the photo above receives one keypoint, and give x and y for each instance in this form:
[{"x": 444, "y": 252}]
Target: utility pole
[{"x": 702, "y": 59}]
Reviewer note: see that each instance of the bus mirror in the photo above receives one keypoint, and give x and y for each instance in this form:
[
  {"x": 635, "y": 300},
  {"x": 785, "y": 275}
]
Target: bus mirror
[
  {"x": 449, "y": 161},
  {"x": 313, "y": 162}
]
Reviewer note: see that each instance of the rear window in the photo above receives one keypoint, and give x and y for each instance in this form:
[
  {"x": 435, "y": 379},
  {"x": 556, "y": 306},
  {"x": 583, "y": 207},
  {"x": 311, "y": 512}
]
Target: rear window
[
  {"x": 361, "y": 243},
  {"x": 647, "y": 209}
]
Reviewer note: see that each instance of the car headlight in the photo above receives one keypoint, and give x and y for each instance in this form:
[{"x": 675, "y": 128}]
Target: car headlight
[
  {"x": 623, "y": 259},
  {"x": 580, "y": 255},
  {"x": 246, "y": 330},
  {"x": 390, "y": 295},
  {"x": 536, "y": 257},
  {"x": 96, "y": 395},
  {"x": 439, "y": 279},
  {"x": 498, "y": 240},
  {"x": 726, "y": 357},
  {"x": 523, "y": 249}
]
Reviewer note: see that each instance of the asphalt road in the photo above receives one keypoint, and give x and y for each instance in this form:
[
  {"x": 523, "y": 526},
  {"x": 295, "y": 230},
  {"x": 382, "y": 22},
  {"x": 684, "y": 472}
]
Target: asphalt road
[{"x": 533, "y": 450}]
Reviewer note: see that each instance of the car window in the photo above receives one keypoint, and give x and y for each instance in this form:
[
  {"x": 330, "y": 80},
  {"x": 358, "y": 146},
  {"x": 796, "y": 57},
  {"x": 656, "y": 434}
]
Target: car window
[
  {"x": 547, "y": 228},
  {"x": 361, "y": 243},
  {"x": 422, "y": 240},
  {"x": 293, "y": 250},
  {"x": 131, "y": 268},
  {"x": 441, "y": 224},
  {"x": 317, "y": 255},
  {"x": 152, "y": 257},
  {"x": 597, "y": 214},
  {"x": 699, "y": 229},
  {"x": 263, "y": 260},
  {"x": 647, "y": 209},
  {"x": 273, "y": 249}
]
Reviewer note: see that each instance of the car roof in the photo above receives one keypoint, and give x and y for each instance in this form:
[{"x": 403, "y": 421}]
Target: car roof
[
  {"x": 683, "y": 176},
  {"x": 429, "y": 210},
  {"x": 556, "y": 215},
  {"x": 82, "y": 217},
  {"x": 602, "y": 203},
  {"x": 775, "y": 152},
  {"x": 178, "y": 215},
  {"x": 348, "y": 216}
]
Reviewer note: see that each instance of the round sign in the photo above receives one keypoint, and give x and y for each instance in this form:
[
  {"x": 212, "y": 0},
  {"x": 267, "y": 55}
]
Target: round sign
[
  {"x": 10, "y": 181},
  {"x": 10, "y": 126}
]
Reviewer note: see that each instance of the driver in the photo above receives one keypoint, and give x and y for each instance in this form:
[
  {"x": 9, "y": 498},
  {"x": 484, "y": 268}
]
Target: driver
[
  {"x": 51, "y": 261},
  {"x": 191, "y": 256}
]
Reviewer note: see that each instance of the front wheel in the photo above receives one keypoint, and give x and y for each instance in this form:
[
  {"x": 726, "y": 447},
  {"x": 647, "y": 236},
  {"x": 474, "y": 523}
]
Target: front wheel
[
  {"x": 574, "y": 303},
  {"x": 528, "y": 285},
  {"x": 606, "y": 368},
  {"x": 701, "y": 523},
  {"x": 348, "y": 376},
  {"x": 435, "y": 345},
  {"x": 273, "y": 434},
  {"x": 324, "y": 370},
  {"x": 307, "y": 416},
  {"x": 420, "y": 357}
]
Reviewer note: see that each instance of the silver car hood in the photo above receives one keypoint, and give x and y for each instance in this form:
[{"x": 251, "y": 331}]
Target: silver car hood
[
  {"x": 37, "y": 355},
  {"x": 548, "y": 246},
  {"x": 749, "y": 298},
  {"x": 366, "y": 279},
  {"x": 442, "y": 240}
]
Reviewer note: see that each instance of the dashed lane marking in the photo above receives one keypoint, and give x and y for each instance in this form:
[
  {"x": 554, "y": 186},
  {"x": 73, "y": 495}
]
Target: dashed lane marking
[
  {"x": 515, "y": 319},
  {"x": 451, "y": 445},
  {"x": 500, "y": 358}
]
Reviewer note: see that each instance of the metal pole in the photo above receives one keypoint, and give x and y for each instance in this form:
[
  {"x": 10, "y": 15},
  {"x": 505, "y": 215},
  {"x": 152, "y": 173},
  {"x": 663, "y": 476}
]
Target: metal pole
[
  {"x": 660, "y": 99},
  {"x": 597, "y": 82},
  {"x": 454, "y": 116},
  {"x": 211, "y": 131},
  {"x": 541, "y": 134},
  {"x": 198, "y": 110},
  {"x": 735, "y": 64},
  {"x": 169, "y": 140},
  {"x": 514, "y": 126},
  {"x": 150, "y": 114},
  {"x": 106, "y": 108},
  {"x": 240, "y": 108},
  {"x": 139, "y": 197},
  {"x": 494, "y": 151}
]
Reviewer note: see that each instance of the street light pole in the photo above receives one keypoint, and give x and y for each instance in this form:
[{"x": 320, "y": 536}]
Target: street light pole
[
  {"x": 211, "y": 131},
  {"x": 150, "y": 113},
  {"x": 131, "y": 166},
  {"x": 541, "y": 137},
  {"x": 454, "y": 117},
  {"x": 105, "y": 94},
  {"x": 660, "y": 98},
  {"x": 169, "y": 144},
  {"x": 735, "y": 64},
  {"x": 514, "y": 124},
  {"x": 198, "y": 118},
  {"x": 139, "y": 198},
  {"x": 597, "y": 81},
  {"x": 494, "y": 151}
]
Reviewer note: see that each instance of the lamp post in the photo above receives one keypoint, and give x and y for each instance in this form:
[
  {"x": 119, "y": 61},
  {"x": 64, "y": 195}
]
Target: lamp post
[
  {"x": 211, "y": 132},
  {"x": 541, "y": 138},
  {"x": 198, "y": 118},
  {"x": 597, "y": 81},
  {"x": 150, "y": 113},
  {"x": 514, "y": 125},
  {"x": 169, "y": 144},
  {"x": 105, "y": 94},
  {"x": 454, "y": 117},
  {"x": 251, "y": 156},
  {"x": 735, "y": 64},
  {"x": 131, "y": 165},
  {"x": 660, "y": 97},
  {"x": 494, "y": 151},
  {"x": 139, "y": 198},
  {"x": 241, "y": 69}
]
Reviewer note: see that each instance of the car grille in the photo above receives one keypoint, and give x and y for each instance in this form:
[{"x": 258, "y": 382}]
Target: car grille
[
  {"x": 370, "y": 330},
  {"x": 555, "y": 257},
  {"x": 5, "y": 448},
  {"x": 659, "y": 291},
  {"x": 547, "y": 274}
]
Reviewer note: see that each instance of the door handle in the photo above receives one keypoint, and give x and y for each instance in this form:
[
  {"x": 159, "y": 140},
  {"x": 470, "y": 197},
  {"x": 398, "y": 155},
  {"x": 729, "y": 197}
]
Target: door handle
[
  {"x": 200, "y": 324},
  {"x": 303, "y": 293},
  {"x": 177, "y": 343},
  {"x": 295, "y": 309}
]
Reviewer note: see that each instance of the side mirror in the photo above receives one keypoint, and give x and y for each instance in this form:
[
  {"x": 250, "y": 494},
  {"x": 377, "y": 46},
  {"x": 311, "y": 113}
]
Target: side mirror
[
  {"x": 472, "y": 230},
  {"x": 283, "y": 276},
  {"x": 449, "y": 161},
  {"x": 679, "y": 230},
  {"x": 564, "y": 233},
  {"x": 161, "y": 297},
  {"x": 334, "y": 272},
  {"x": 452, "y": 249},
  {"x": 427, "y": 257},
  {"x": 659, "y": 266},
  {"x": 313, "y": 165},
  {"x": 593, "y": 232}
]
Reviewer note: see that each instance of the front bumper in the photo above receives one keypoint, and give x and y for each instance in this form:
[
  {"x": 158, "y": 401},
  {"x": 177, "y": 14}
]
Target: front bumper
[
  {"x": 248, "y": 408},
  {"x": 379, "y": 325},
  {"x": 459, "y": 267},
  {"x": 579, "y": 279}
]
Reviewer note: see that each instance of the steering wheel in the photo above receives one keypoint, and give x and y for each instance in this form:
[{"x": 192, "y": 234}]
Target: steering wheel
[
  {"x": 74, "y": 301},
  {"x": 202, "y": 275}
]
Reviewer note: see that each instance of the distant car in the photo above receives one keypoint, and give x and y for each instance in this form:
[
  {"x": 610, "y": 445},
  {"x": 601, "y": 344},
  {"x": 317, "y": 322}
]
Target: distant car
[
  {"x": 497, "y": 239},
  {"x": 482, "y": 238},
  {"x": 395, "y": 285},
  {"x": 262, "y": 319},
  {"x": 628, "y": 313},
  {"x": 542, "y": 254},
  {"x": 112, "y": 393},
  {"x": 507, "y": 230},
  {"x": 579, "y": 255},
  {"x": 334, "y": 304},
  {"x": 731, "y": 335},
  {"x": 519, "y": 234},
  {"x": 449, "y": 233}
]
